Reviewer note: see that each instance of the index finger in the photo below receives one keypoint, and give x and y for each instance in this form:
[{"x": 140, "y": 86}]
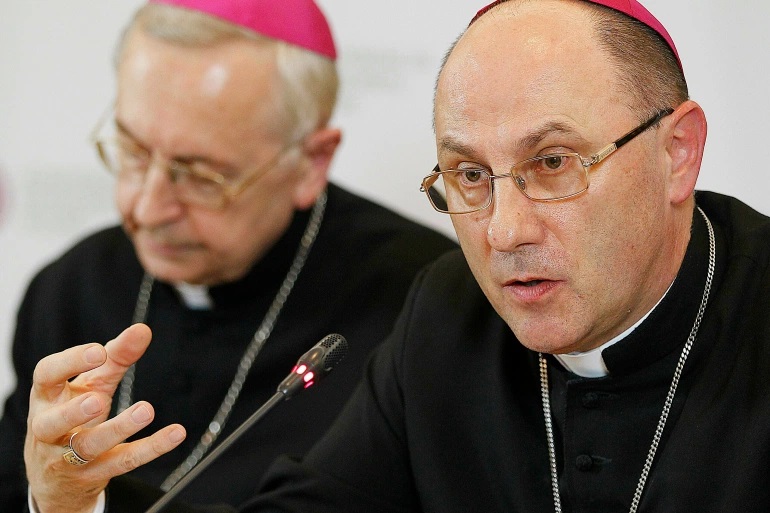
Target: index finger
[{"x": 52, "y": 372}]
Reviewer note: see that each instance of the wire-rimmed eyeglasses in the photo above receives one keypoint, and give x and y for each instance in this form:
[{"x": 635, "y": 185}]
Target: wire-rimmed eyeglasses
[
  {"x": 194, "y": 183},
  {"x": 550, "y": 177}
]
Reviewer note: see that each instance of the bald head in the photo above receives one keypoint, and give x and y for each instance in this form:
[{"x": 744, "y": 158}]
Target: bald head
[
  {"x": 646, "y": 68},
  {"x": 534, "y": 58}
]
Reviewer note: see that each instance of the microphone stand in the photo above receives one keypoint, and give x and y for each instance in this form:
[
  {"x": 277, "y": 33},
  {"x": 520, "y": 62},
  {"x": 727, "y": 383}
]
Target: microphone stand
[
  {"x": 313, "y": 365},
  {"x": 222, "y": 447}
]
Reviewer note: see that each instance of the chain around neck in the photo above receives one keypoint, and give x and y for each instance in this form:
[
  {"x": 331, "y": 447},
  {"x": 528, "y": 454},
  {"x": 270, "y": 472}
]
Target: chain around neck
[
  {"x": 666, "y": 405},
  {"x": 258, "y": 340}
]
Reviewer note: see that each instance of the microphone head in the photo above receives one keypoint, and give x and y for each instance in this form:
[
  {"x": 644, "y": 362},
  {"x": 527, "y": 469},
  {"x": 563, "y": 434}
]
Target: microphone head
[
  {"x": 336, "y": 348},
  {"x": 315, "y": 364}
]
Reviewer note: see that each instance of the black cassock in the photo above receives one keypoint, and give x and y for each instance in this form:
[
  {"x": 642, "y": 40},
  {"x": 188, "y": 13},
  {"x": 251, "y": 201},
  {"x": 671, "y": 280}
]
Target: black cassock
[
  {"x": 449, "y": 417},
  {"x": 354, "y": 283}
]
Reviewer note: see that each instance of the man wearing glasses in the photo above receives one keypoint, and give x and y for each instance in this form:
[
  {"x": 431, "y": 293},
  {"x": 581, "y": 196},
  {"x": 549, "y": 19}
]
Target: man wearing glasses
[
  {"x": 234, "y": 250},
  {"x": 602, "y": 342}
]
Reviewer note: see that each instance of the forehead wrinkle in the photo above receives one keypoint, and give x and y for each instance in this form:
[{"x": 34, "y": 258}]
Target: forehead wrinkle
[{"x": 527, "y": 143}]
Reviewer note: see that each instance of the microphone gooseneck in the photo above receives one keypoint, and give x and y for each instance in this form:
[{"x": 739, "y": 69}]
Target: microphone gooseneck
[{"x": 312, "y": 366}]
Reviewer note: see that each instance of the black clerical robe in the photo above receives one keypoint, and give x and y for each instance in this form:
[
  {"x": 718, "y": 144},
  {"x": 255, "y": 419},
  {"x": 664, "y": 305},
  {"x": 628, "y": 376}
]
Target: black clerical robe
[
  {"x": 353, "y": 283},
  {"x": 449, "y": 417}
]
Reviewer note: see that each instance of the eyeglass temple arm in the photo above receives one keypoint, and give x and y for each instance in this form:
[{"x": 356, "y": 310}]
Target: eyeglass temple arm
[
  {"x": 433, "y": 171},
  {"x": 108, "y": 113},
  {"x": 610, "y": 148},
  {"x": 438, "y": 201}
]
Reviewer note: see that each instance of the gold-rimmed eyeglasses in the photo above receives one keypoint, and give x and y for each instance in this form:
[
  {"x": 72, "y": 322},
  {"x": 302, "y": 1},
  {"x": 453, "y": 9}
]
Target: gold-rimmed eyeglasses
[
  {"x": 197, "y": 182},
  {"x": 550, "y": 177}
]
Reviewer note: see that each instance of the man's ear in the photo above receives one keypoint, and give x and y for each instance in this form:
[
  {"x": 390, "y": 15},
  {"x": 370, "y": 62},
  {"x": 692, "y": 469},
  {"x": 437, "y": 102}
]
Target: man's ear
[
  {"x": 317, "y": 152},
  {"x": 686, "y": 137}
]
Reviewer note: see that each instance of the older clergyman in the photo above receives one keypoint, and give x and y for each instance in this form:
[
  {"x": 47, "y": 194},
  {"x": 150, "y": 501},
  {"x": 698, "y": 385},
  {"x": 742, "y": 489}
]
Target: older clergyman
[
  {"x": 602, "y": 343},
  {"x": 235, "y": 251}
]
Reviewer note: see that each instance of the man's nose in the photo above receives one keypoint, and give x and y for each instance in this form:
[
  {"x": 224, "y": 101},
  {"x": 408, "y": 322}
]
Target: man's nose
[
  {"x": 513, "y": 220},
  {"x": 157, "y": 202}
]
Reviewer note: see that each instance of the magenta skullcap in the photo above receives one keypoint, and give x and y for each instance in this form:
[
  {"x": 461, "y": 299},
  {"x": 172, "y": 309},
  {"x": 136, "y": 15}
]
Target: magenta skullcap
[
  {"x": 298, "y": 22},
  {"x": 630, "y": 8}
]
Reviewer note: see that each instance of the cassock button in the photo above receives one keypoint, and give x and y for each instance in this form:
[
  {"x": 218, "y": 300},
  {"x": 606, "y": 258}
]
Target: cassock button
[
  {"x": 590, "y": 400},
  {"x": 584, "y": 463}
]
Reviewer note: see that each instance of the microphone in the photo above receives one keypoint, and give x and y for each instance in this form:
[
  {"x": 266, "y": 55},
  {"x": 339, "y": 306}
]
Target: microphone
[
  {"x": 311, "y": 367},
  {"x": 314, "y": 365}
]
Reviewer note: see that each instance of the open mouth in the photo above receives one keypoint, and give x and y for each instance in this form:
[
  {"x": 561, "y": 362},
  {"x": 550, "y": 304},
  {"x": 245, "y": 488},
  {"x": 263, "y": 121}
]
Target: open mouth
[{"x": 531, "y": 290}]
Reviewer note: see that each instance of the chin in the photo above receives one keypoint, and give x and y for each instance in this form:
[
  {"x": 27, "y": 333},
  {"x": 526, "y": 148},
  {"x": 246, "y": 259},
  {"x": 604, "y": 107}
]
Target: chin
[
  {"x": 170, "y": 272},
  {"x": 544, "y": 338},
  {"x": 540, "y": 346}
]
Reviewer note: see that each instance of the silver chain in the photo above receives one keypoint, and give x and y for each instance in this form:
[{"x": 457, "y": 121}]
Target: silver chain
[
  {"x": 666, "y": 405},
  {"x": 260, "y": 337},
  {"x": 140, "y": 314}
]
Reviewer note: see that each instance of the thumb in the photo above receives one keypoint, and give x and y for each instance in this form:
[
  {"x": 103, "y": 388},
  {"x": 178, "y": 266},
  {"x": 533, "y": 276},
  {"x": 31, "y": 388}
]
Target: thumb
[{"x": 122, "y": 352}]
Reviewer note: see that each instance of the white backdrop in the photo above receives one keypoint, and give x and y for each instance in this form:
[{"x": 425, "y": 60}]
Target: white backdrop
[{"x": 56, "y": 80}]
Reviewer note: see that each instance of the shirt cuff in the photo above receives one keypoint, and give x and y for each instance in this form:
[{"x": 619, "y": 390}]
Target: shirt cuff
[{"x": 99, "y": 508}]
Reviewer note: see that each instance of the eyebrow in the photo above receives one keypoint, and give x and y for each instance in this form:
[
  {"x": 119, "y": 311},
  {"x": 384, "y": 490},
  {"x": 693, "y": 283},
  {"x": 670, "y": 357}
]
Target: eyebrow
[
  {"x": 536, "y": 136},
  {"x": 455, "y": 146},
  {"x": 531, "y": 140},
  {"x": 183, "y": 159}
]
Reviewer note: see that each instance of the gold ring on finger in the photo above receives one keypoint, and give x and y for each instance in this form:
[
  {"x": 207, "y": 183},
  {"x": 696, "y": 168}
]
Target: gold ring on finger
[{"x": 69, "y": 454}]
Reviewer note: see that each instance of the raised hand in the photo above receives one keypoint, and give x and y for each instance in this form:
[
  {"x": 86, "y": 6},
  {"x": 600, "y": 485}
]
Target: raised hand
[{"x": 64, "y": 410}]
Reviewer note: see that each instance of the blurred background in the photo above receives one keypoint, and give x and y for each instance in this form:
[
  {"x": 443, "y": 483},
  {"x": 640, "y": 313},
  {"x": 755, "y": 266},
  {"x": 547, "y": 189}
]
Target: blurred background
[{"x": 57, "y": 79}]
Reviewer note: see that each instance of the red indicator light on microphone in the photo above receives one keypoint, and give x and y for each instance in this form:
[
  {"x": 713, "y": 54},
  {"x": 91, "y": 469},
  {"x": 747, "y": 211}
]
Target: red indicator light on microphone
[
  {"x": 301, "y": 369},
  {"x": 309, "y": 384},
  {"x": 308, "y": 377}
]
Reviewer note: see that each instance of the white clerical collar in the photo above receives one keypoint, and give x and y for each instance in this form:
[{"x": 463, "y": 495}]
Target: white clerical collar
[
  {"x": 590, "y": 364},
  {"x": 195, "y": 297}
]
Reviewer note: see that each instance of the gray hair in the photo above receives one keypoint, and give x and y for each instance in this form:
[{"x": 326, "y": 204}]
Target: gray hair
[{"x": 309, "y": 81}]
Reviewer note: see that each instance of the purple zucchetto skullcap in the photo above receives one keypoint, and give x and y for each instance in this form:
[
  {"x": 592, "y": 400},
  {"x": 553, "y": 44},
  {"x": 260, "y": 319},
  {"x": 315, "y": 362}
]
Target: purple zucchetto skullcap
[
  {"x": 298, "y": 22},
  {"x": 630, "y": 8}
]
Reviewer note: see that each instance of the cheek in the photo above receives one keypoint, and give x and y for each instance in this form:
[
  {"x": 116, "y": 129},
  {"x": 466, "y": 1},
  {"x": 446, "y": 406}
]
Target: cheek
[
  {"x": 630, "y": 223},
  {"x": 242, "y": 235},
  {"x": 222, "y": 235},
  {"x": 471, "y": 230},
  {"x": 614, "y": 250},
  {"x": 227, "y": 244}
]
